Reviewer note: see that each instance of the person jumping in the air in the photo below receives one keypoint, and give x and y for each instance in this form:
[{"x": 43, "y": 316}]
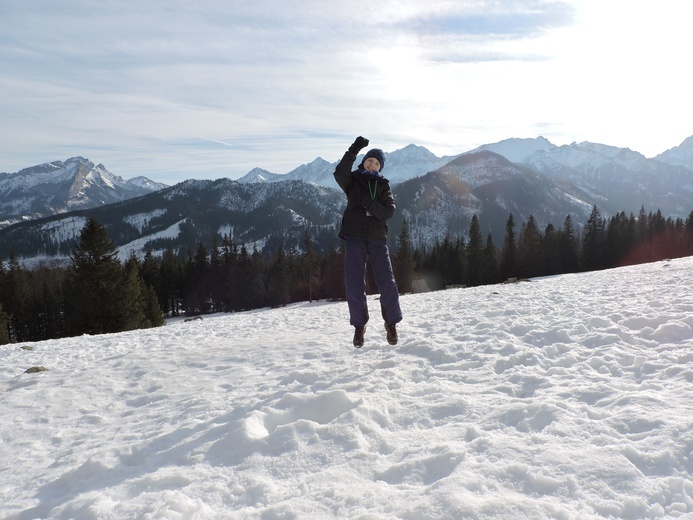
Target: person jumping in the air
[{"x": 364, "y": 229}]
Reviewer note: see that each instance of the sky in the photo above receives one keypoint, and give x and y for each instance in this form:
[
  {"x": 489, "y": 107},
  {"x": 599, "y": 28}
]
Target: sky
[
  {"x": 565, "y": 398},
  {"x": 175, "y": 90}
]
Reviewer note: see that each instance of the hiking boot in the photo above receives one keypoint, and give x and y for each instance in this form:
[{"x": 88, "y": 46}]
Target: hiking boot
[
  {"x": 391, "y": 334},
  {"x": 358, "y": 336}
]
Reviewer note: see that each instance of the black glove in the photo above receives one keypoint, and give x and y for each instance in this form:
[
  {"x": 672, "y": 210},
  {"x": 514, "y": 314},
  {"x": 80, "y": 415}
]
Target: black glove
[{"x": 359, "y": 144}]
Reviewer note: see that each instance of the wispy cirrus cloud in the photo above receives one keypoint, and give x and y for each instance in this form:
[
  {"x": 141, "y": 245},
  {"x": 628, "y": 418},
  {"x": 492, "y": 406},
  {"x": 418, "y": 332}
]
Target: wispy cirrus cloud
[{"x": 513, "y": 19}]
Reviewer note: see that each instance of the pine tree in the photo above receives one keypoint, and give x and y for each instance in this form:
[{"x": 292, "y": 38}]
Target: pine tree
[
  {"x": 508, "y": 264},
  {"x": 150, "y": 271},
  {"x": 4, "y": 317},
  {"x": 258, "y": 290},
  {"x": 620, "y": 239},
  {"x": 233, "y": 276},
  {"x": 594, "y": 242},
  {"x": 568, "y": 249},
  {"x": 170, "y": 288},
  {"x": 642, "y": 232},
  {"x": 306, "y": 279},
  {"x": 689, "y": 234},
  {"x": 47, "y": 286},
  {"x": 4, "y": 292},
  {"x": 551, "y": 251},
  {"x": 332, "y": 273},
  {"x": 403, "y": 262},
  {"x": 447, "y": 262},
  {"x": 3, "y": 281},
  {"x": 154, "y": 316},
  {"x": 216, "y": 279},
  {"x": 657, "y": 230},
  {"x": 18, "y": 301},
  {"x": 530, "y": 254},
  {"x": 278, "y": 279},
  {"x": 94, "y": 300},
  {"x": 458, "y": 262},
  {"x": 240, "y": 288},
  {"x": 474, "y": 254},
  {"x": 143, "y": 309},
  {"x": 489, "y": 271},
  {"x": 133, "y": 300},
  {"x": 4, "y": 332},
  {"x": 197, "y": 287}
]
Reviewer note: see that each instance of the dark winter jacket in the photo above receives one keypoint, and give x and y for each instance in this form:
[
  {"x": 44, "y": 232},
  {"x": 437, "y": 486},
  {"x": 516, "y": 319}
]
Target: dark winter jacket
[{"x": 369, "y": 201}]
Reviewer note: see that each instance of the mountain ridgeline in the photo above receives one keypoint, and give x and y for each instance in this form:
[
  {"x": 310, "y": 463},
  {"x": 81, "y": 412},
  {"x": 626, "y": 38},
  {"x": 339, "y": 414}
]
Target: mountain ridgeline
[
  {"x": 436, "y": 195},
  {"x": 59, "y": 187}
]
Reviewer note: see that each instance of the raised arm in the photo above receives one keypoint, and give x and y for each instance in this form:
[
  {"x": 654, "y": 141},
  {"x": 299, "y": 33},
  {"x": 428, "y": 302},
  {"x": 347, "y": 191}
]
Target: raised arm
[{"x": 342, "y": 173}]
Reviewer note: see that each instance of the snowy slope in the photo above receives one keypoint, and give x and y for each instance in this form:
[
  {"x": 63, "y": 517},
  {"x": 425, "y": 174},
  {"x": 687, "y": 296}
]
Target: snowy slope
[{"x": 566, "y": 397}]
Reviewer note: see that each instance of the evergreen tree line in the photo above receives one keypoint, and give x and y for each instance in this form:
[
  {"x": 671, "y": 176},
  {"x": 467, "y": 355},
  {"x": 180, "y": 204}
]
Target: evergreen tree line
[{"x": 99, "y": 294}]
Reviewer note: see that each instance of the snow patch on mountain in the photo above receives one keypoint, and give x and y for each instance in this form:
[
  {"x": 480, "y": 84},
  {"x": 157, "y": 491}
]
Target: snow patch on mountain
[
  {"x": 227, "y": 230},
  {"x": 260, "y": 175},
  {"x": 148, "y": 184},
  {"x": 64, "y": 229},
  {"x": 141, "y": 244},
  {"x": 141, "y": 220}
]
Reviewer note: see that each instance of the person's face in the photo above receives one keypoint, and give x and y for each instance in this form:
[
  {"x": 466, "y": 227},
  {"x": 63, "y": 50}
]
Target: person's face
[{"x": 371, "y": 164}]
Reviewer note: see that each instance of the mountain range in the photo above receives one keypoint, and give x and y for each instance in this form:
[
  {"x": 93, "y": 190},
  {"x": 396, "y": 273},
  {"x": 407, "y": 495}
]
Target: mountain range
[
  {"x": 403, "y": 164},
  {"x": 437, "y": 196},
  {"x": 59, "y": 187}
]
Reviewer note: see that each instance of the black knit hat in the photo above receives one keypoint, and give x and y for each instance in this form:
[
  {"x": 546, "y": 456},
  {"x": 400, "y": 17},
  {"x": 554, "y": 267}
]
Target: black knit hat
[{"x": 377, "y": 153}]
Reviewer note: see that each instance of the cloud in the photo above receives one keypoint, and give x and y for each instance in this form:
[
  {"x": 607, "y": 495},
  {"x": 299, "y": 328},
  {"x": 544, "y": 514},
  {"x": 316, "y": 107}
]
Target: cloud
[
  {"x": 216, "y": 87},
  {"x": 484, "y": 31},
  {"x": 493, "y": 19}
]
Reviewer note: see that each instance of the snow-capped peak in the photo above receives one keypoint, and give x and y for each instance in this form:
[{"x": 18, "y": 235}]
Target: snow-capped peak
[{"x": 681, "y": 155}]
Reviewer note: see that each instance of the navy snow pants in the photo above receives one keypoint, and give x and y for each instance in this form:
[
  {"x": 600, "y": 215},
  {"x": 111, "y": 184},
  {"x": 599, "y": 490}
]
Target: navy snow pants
[{"x": 357, "y": 252}]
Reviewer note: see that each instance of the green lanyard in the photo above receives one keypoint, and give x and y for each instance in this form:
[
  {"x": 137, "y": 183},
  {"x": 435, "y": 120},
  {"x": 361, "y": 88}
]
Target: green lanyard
[{"x": 374, "y": 191}]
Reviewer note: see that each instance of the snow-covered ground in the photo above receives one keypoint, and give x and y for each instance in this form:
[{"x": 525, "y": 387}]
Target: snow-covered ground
[{"x": 566, "y": 398}]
